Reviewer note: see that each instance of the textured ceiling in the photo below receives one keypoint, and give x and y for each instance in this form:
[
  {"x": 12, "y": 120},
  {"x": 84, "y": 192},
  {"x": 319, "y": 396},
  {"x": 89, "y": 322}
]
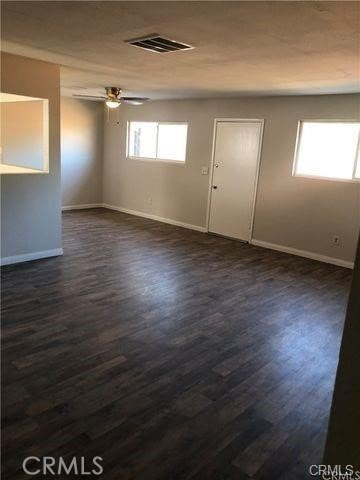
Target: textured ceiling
[{"x": 242, "y": 48}]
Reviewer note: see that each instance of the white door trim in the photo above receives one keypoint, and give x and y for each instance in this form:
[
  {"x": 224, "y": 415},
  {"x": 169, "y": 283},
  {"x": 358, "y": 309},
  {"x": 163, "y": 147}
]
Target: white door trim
[{"x": 235, "y": 120}]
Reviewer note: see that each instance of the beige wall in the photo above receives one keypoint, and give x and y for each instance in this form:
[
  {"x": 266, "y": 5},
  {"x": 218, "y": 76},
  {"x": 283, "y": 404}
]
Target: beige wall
[
  {"x": 31, "y": 204},
  {"x": 25, "y": 117},
  {"x": 294, "y": 212},
  {"x": 81, "y": 151}
]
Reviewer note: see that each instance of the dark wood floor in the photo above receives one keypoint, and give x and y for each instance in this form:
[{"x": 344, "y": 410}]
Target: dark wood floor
[{"x": 170, "y": 353}]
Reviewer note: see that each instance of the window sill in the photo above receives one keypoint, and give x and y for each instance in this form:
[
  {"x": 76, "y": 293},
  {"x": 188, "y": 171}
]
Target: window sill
[
  {"x": 157, "y": 160},
  {"x": 6, "y": 169},
  {"x": 329, "y": 179}
]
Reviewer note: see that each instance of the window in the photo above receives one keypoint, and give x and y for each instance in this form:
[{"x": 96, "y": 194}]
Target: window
[
  {"x": 328, "y": 150},
  {"x": 24, "y": 134},
  {"x": 142, "y": 139},
  {"x": 157, "y": 140}
]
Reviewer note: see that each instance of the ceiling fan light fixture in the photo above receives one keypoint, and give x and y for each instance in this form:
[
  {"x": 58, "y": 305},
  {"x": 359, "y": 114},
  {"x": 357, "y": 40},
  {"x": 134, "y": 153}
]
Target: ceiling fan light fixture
[{"x": 112, "y": 103}]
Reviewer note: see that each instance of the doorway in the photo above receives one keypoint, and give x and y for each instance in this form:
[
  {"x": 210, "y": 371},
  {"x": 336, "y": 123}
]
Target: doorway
[{"x": 233, "y": 183}]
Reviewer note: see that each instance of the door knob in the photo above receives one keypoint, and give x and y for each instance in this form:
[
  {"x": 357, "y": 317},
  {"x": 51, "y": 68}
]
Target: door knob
[
  {"x": 216, "y": 165},
  {"x": 214, "y": 187}
]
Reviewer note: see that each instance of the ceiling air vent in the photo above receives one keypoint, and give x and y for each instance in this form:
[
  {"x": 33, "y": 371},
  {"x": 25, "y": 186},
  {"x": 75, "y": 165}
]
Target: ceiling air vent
[{"x": 158, "y": 44}]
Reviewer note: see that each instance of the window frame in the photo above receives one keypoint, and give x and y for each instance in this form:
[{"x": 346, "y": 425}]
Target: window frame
[
  {"x": 12, "y": 169},
  {"x": 155, "y": 159},
  {"x": 318, "y": 177}
]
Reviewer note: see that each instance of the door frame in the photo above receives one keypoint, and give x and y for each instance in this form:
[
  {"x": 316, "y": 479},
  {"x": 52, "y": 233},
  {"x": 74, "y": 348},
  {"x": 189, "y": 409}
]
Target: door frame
[{"x": 258, "y": 160}]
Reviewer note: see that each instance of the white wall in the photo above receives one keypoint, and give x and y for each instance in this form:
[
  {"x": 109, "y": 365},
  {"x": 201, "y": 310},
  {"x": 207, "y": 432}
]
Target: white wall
[
  {"x": 81, "y": 151},
  {"x": 31, "y": 203},
  {"x": 294, "y": 212}
]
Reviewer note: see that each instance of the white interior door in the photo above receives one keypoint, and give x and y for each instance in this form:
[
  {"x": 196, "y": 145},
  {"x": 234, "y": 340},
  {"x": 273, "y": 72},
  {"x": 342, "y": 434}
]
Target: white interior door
[{"x": 234, "y": 176}]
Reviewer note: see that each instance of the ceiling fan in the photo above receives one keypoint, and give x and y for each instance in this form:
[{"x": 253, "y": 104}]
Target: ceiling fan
[{"x": 113, "y": 98}]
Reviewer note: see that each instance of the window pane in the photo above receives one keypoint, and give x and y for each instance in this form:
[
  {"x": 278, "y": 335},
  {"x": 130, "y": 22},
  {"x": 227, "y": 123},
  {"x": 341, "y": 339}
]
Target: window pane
[
  {"x": 327, "y": 149},
  {"x": 172, "y": 142},
  {"x": 142, "y": 139}
]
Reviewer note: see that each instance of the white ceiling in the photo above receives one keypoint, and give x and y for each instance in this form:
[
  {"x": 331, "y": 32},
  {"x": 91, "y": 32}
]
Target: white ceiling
[{"x": 241, "y": 48}]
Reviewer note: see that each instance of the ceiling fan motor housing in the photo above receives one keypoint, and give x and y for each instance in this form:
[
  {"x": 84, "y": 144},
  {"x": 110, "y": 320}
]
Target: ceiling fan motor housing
[{"x": 113, "y": 92}]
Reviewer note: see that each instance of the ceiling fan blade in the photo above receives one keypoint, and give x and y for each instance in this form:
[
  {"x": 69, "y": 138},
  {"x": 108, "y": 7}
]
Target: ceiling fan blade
[
  {"x": 133, "y": 100},
  {"x": 89, "y": 96}
]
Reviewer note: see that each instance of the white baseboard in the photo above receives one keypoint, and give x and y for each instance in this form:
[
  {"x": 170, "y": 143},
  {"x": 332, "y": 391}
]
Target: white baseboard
[
  {"x": 26, "y": 257},
  {"x": 81, "y": 207},
  {"x": 303, "y": 253},
  {"x": 155, "y": 217}
]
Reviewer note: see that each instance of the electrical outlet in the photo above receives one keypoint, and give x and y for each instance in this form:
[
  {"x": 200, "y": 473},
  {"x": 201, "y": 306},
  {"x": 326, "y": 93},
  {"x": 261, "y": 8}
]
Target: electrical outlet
[
  {"x": 204, "y": 170},
  {"x": 336, "y": 240}
]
